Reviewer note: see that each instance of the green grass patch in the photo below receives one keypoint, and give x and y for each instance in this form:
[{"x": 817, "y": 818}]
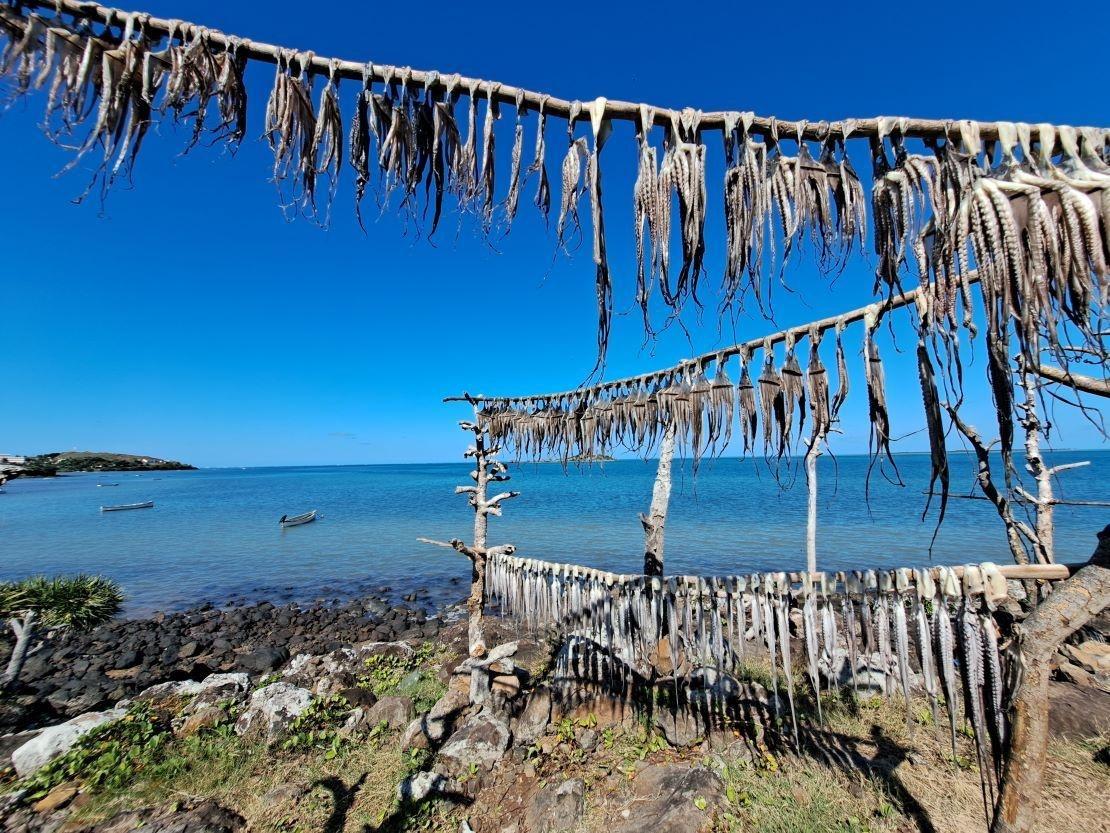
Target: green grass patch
[
  {"x": 800, "y": 796},
  {"x": 414, "y": 676}
]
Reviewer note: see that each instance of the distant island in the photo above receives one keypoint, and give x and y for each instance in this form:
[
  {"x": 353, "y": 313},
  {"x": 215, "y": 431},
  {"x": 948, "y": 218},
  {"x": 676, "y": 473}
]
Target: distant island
[
  {"x": 57, "y": 462},
  {"x": 584, "y": 458}
]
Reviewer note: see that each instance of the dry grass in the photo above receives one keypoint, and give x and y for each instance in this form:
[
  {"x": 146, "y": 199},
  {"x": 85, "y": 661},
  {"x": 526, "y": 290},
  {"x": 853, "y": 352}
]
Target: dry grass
[
  {"x": 865, "y": 769},
  {"x": 354, "y": 791}
]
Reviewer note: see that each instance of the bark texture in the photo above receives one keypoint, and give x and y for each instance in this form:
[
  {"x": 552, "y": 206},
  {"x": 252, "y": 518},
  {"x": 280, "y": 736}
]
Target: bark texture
[
  {"x": 1071, "y": 605},
  {"x": 24, "y": 629},
  {"x": 656, "y": 520},
  {"x": 487, "y": 469}
]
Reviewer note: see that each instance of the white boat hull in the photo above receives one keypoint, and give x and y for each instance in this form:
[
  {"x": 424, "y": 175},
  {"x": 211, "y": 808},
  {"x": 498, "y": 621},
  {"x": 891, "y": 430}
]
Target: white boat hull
[
  {"x": 298, "y": 520},
  {"x": 126, "y": 506}
]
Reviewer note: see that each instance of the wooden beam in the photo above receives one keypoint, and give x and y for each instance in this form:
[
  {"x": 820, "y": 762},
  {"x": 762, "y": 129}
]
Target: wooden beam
[
  {"x": 1076, "y": 381},
  {"x": 508, "y": 94}
]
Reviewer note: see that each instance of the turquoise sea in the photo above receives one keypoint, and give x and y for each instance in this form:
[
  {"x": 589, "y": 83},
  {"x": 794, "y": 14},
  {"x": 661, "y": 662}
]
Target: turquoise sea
[{"x": 214, "y": 533}]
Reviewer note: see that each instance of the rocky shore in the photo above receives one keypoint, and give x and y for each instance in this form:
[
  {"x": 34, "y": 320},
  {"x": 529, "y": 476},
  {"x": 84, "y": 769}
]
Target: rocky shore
[
  {"x": 71, "y": 673},
  {"x": 369, "y": 716}
]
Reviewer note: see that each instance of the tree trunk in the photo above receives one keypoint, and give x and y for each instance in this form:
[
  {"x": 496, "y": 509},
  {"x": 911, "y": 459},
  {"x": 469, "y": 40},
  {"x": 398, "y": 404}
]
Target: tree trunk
[
  {"x": 476, "y": 603},
  {"x": 1071, "y": 604},
  {"x": 24, "y": 630},
  {"x": 656, "y": 520}
]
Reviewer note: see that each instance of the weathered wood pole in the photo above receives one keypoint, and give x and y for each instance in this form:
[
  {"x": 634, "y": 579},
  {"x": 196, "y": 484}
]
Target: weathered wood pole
[
  {"x": 487, "y": 469},
  {"x": 1069, "y": 606},
  {"x": 655, "y": 521},
  {"x": 24, "y": 628},
  {"x": 812, "y": 454}
]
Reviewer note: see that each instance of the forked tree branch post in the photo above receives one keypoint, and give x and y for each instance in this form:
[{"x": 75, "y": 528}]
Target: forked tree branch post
[
  {"x": 655, "y": 521},
  {"x": 1070, "y": 605},
  {"x": 487, "y": 469}
]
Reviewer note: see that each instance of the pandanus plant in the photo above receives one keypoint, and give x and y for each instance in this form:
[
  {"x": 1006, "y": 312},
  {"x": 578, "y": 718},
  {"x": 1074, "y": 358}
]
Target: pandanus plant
[{"x": 80, "y": 602}]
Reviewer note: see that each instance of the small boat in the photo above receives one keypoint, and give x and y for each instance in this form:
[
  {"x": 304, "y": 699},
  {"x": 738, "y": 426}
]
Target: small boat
[
  {"x": 104, "y": 485},
  {"x": 145, "y": 505},
  {"x": 297, "y": 520}
]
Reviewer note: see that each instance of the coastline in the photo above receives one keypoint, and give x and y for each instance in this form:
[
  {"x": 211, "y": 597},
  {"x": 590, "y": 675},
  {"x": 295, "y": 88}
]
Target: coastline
[{"x": 73, "y": 673}]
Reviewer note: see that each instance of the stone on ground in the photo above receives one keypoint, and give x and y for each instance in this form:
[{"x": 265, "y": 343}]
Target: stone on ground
[
  {"x": 271, "y": 709},
  {"x": 481, "y": 740},
  {"x": 394, "y": 711},
  {"x": 56, "y": 740},
  {"x": 558, "y": 810},
  {"x": 671, "y": 798}
]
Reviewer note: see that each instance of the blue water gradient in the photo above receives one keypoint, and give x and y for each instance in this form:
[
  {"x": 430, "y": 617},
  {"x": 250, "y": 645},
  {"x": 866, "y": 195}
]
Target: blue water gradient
[{"x": 214, "y": 532}]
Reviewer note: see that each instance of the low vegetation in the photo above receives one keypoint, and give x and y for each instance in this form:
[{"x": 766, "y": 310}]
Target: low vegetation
[
  {"x": 68, "y": 461},
  {"x": 414, "y": 677},
  {"x": 80, "y": 602}
]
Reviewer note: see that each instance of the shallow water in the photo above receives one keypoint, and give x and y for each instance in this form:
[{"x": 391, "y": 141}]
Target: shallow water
[{"x": 214, "y": 533}]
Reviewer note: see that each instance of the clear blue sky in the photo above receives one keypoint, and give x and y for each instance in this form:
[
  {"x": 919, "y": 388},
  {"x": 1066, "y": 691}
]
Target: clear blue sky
[{"x": 189, "y": 320}]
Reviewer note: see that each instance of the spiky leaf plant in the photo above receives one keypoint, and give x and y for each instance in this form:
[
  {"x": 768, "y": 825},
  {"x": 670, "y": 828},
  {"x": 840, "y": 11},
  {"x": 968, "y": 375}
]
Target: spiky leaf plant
[{"x": 81, "y": 602}]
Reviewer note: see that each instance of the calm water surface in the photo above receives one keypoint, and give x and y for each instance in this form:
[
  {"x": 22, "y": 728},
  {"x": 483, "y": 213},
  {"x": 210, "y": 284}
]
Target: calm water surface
[{"x": 214, "y": 533}]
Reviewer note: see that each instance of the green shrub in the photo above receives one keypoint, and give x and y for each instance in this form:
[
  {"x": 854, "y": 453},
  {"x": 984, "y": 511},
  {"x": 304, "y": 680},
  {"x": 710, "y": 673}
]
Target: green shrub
[{"x": 107, "y": 757}]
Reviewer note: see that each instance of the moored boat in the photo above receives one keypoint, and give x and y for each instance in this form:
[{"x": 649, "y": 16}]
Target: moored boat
[
  {"x": 297, "y": 520},
  {"x": 149, "y": 504}
]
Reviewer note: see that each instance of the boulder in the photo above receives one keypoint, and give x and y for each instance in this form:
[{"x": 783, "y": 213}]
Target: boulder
[
  {"x": 358, "y": 696},
  {"x": 389, "y": 649},
  {"x": 681, "y": 728},
  {"x": 206, "y": 717},
  {"x": 507, "y": 685},
  {"x": 224, "y": 685},
  {"x": 533, "y": 721},
  {"x": 263, "y": 660},
  {"x": 558, "y": 810},
  {"x": 668, "y": 799},
  {"x": 1094, "y": 658},
  {"x": 419, "y": 786},
  {"x": 434, "y": 726},
  {"x": 56, "y": 740},
  {"x": 1077, "y": 713},
  {"x": 10, "y": 743},
  {"x": 416, "y": 736},
  {"x": 271, "y": 709},
  {"x": 164, "y": 692},
  {"x": 57, "y": 798},
  {"x": 481, "y": 740},
  {"x": 394, "y": 711}
]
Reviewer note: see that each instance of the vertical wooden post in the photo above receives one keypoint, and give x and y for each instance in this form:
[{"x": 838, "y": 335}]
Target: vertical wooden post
[
  {"x": 487, "y": 469},
  {"x": 812, "y": 454},
  {"x": 655, "y": 521},
  {"x": 1044, "y": 502}
]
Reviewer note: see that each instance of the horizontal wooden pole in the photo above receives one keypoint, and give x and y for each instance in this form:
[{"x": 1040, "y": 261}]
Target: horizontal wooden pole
[
  {"x": 508, "y": 94},
  {"x": 879, "y": 308},
  {"x": 1040, "y": 572}
]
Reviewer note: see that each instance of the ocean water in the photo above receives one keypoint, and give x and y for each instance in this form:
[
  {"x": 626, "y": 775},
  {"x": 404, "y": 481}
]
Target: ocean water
[{"x": 213, "y": 534}]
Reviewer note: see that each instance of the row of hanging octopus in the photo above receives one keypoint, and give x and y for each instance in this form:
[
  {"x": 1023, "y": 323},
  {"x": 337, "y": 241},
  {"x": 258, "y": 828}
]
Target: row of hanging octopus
[
  {"x": 773, "y": 403},
  {"x": 1030, "y": 210},
  {"x": 912, "y": 629}
]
